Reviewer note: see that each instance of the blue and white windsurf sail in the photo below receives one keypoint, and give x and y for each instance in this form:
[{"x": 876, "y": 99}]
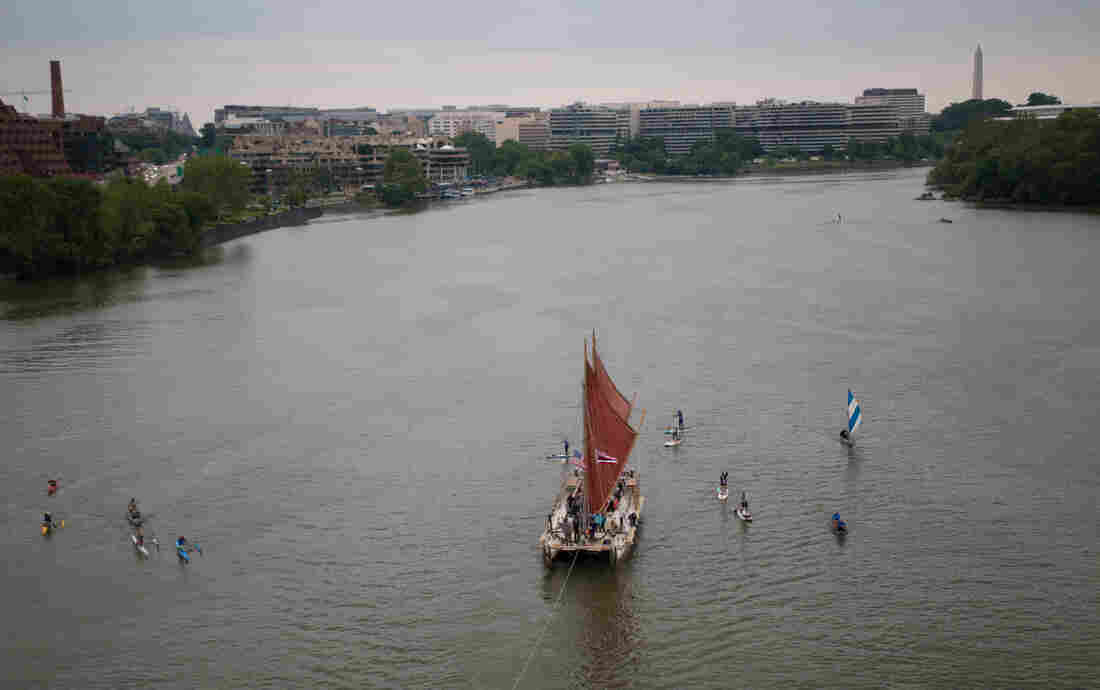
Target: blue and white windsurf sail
[{"x": 855, "y": 414}]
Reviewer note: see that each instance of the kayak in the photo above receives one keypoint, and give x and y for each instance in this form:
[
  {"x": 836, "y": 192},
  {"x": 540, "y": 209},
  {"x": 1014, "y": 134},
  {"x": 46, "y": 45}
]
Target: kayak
[
  {"x": 672, "y": 442},
  {"x": 141, "y": 549},
  {"x": 743, "y": 514},
  {"x": 723, "y": 493}
]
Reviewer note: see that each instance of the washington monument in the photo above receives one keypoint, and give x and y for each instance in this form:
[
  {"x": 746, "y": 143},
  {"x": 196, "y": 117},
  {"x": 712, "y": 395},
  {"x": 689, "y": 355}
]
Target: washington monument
[{"x": 977, "y": 91}]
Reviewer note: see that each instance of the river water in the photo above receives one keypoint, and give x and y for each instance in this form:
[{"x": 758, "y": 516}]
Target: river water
[{"x": 352, "y": 417}]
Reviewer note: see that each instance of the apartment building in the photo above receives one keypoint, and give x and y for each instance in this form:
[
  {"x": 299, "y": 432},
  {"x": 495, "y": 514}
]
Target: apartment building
[
  {"x": 535, "y": 134},
  {"x": 451, "y": 123},
  {"x": 811, "y": 126},
  {"x": 352, "y": 161},
  {"x": 682, "y": 126},
  {"x": 582, "y": 124}
]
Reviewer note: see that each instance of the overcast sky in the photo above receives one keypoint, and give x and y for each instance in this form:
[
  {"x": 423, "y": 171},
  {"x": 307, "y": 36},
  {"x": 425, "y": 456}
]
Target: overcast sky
[{"x": 200, "y": 54}]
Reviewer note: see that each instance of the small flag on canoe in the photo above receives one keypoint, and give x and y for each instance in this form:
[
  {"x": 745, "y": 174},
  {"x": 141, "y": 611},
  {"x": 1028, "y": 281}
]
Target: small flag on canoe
[
  {"x": 855, "y": 413},
  {"x": 604, "y": 457}
]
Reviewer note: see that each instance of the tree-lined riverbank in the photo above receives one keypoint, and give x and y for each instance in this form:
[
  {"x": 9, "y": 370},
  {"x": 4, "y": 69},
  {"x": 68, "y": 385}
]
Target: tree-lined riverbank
[{"x": 68, "y": 225}]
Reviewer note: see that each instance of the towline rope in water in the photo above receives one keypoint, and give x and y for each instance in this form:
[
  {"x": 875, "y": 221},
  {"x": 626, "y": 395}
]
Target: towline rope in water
[{"x": 549, "y": 620}]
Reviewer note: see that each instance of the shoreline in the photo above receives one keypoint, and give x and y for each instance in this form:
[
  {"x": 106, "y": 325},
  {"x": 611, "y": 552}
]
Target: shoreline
[{"x": 803, "y": 168}]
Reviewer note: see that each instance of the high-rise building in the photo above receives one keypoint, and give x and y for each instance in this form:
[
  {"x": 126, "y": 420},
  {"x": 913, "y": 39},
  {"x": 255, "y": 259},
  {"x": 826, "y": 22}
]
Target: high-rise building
[
  {"x": 977, "y": 90},
  {"x": 909, "y": 104},
  {"x": 451, "y": 123},
  {"x": 811, "y": 126},
  {"x": 583, "y": 124},
  {"x": 535, "y": 134},
  {"x": 682, "y": 126}
]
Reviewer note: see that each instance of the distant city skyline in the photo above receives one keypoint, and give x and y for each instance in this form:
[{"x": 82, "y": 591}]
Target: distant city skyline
[{"x": 208, "y": 54}]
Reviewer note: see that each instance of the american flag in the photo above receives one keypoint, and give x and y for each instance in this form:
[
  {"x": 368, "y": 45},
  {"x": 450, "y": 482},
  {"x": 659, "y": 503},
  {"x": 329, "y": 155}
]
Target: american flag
[{"x": 604, "y": 457}]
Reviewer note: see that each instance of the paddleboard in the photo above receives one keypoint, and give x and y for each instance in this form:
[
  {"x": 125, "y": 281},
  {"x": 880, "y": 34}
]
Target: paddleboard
[
  {"x": 144, "y": 551},
  {"x": 744, "y": 515},
  {"x": 723, "y": 493},
  {"x": 672, "y": 442}
]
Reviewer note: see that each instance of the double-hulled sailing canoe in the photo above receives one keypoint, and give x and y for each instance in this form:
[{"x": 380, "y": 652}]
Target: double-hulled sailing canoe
[{"x": 600, "y": 503}]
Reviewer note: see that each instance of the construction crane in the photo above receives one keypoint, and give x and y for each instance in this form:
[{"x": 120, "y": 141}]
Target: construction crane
[{"x": 24, "y": 94}]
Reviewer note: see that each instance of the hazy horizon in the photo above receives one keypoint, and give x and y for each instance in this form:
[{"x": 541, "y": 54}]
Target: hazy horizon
[{"x": 122, "y": 54}]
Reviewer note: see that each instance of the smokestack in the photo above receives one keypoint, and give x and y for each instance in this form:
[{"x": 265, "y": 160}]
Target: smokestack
[{"x": 55, "y": 87}]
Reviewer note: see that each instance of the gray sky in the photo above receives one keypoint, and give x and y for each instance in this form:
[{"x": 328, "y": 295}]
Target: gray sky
[{"x": 201, "y": 54}]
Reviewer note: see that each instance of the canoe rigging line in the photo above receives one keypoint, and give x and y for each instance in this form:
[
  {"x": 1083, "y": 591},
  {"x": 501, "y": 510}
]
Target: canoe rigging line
[{"x": 549, "y": 620}]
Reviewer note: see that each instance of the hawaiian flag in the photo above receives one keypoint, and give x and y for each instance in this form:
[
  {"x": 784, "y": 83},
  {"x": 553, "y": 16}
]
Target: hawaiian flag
[{"x": 604, "y": 457}]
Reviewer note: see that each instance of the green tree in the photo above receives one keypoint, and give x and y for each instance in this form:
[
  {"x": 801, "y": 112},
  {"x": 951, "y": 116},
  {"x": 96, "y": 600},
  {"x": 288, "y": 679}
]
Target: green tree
[
  {"x": 583, "y": 163},
  {"x": 222, "y": 180},
  {"x": 1040, "y": 98},
  {"x": 403, "y": 178},
  {"x": 1028, "y": 160},
  {"x": 958, "y": 115},
  {"x": 482, "y": 151},
  {"x": 208, "y": 136}
]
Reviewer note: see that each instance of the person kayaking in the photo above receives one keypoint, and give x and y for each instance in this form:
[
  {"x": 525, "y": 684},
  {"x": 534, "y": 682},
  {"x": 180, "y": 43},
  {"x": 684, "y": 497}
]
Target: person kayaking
[
  {"x": 51, "y": 487},
  {"x": 680, "y": 418}
]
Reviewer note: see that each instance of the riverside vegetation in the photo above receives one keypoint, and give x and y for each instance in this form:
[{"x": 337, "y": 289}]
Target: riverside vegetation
[
  {"x": 1026, "y": 160},
  {"x": 67, "y": 225}
]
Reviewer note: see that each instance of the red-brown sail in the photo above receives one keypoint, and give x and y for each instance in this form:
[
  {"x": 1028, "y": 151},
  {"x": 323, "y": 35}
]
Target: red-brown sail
[
  {"x": 617, "y": 400},
  {"x": 608, "y": 437}
]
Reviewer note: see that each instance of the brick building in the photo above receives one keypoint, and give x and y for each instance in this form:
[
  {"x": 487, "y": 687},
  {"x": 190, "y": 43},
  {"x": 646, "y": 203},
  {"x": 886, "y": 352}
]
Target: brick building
[{"x": 29, "y": 145}]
